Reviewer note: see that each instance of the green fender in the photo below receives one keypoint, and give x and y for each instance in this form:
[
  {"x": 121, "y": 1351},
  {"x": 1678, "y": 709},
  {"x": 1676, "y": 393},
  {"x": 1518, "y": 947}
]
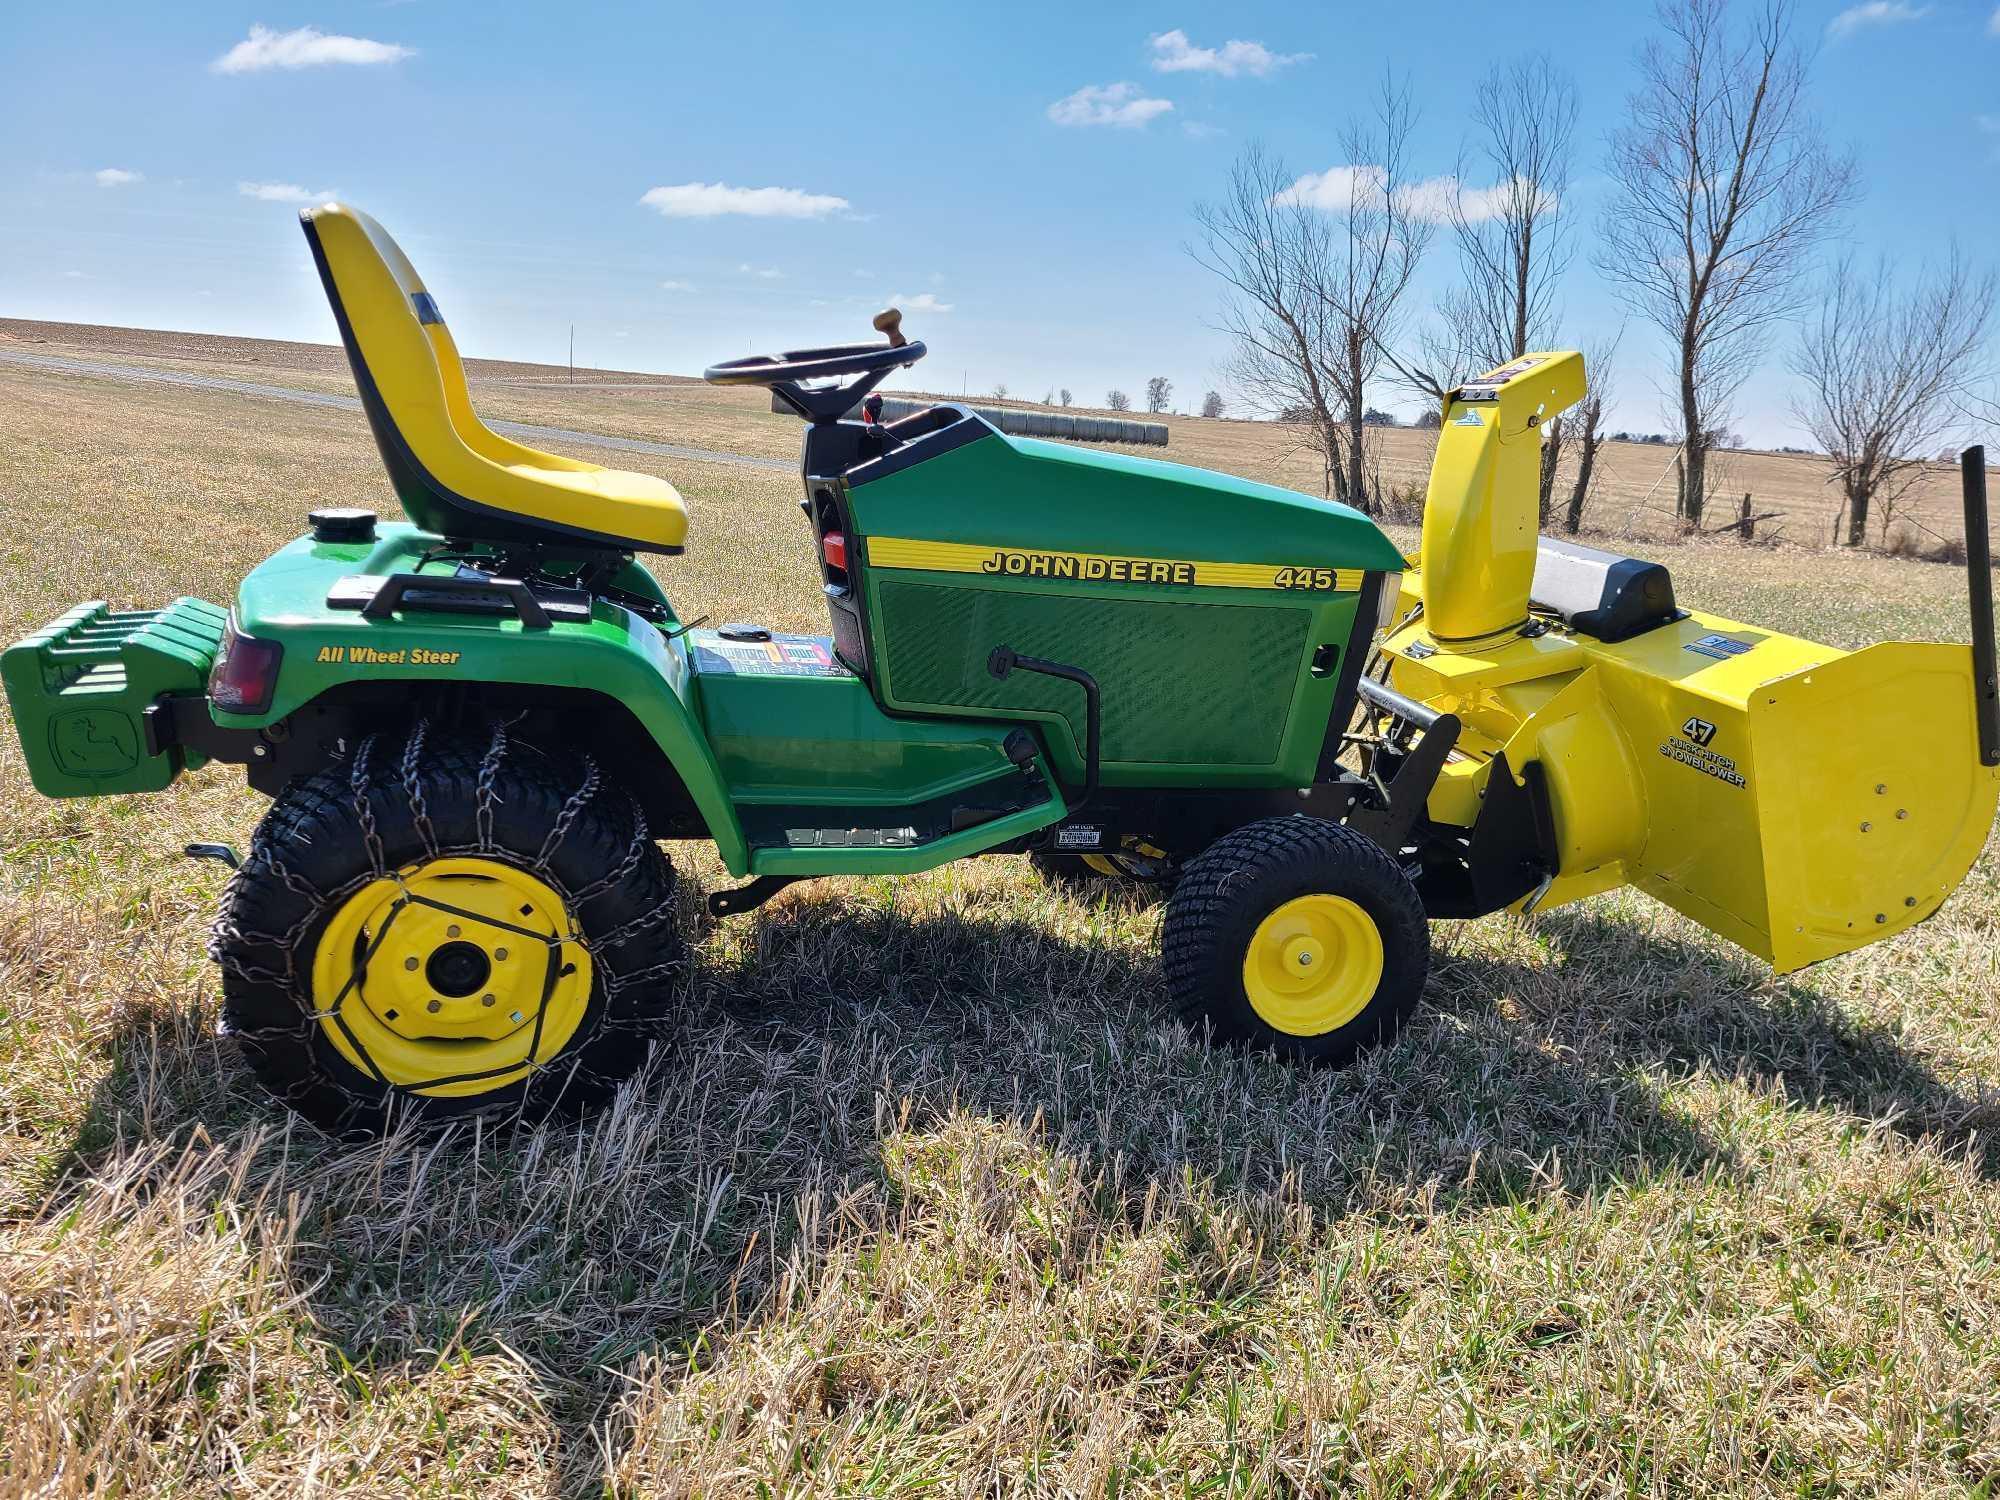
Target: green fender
[{"x": 616, "y": 655}]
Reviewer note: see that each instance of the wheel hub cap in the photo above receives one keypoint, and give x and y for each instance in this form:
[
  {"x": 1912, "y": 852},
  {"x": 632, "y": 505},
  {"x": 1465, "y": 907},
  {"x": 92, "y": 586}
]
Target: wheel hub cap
[
  {"x": 455, "y": 976},
  {"x": 1313, "y": 964}
]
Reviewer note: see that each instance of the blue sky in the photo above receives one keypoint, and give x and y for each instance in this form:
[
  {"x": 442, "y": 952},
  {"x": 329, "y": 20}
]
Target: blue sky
[{"x": 1019, "y": 177}]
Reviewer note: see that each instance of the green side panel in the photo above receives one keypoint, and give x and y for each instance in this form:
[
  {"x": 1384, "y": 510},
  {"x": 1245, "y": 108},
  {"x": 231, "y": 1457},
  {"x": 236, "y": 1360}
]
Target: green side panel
[
  {"x": 803, "y": 744},
  {"x": 1204, "y": 688},
  {"x": 819, "y": 737},
  {"x": 1155, "y": 663},
  {"x": 615, "y": 653},
  {"x": 1026, "y": 492},
  {"x": 80, "y": 686}
]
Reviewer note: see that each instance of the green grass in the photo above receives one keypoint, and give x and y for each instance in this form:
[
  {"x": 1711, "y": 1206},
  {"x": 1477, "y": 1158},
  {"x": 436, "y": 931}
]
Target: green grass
[{"x": 925, "y": 1192}]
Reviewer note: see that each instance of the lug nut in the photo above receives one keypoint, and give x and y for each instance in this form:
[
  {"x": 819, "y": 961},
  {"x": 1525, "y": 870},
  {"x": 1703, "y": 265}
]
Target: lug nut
[
  {"x": 435, "y": 1006},
  {"x": 451, "y": 931},
  {"x": 500, "y": 953},
  {"x": 1866, "y": 826},
  {"x": 409, "y": 963},
  {"x": 485, "y": 999}
]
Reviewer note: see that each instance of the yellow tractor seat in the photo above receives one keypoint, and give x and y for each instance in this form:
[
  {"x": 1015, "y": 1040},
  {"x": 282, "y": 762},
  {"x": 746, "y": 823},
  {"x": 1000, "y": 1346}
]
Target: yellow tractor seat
[{"x": 453, "y": 474}]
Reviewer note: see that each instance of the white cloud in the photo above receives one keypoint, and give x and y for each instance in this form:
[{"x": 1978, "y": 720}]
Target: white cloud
[
  {"x": 1340, "y": 190},
  {"x": 762, "y": 273},
  {"x": 1119, "y": 104},
  {"x": 283, "y": 192},
  {"x": 307, "y": 47},
  {"x": 923, "y": 302},
  {"x": 1874, "y": 13},
  {"x": 117, "y": 177},
  {"x": 676, "y": 286},
  {"x": 1200, "y": 130},
  {"x": 1174, "y": 53},
  {"x": 865, "y": 275},
  {"x": 1993, "y": 22},
  {"x": 711, "y": 200},
  {"x": 1337, "y": 189},
  {"x": 77, "y": 276}
]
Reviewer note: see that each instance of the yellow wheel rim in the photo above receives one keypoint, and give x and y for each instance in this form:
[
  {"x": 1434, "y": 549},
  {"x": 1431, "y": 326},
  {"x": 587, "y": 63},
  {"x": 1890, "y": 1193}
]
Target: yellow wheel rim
[
  {"x": 1102, "y": 864},
  {"x": 1313, "y": 965},
  {"x": 453, "y": 977}
]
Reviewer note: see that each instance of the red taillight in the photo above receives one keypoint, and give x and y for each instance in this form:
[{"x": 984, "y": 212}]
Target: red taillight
[
  {"x": 245, "y": 674},
  {"x": 833, "y": 547}
]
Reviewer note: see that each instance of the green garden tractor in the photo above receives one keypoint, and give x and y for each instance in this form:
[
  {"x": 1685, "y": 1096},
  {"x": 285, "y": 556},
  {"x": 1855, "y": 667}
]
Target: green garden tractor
[{"x": 478, "y": 725}]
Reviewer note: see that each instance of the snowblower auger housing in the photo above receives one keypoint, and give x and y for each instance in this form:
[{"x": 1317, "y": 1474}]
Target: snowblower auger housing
[{"x": 478, "y": 724}]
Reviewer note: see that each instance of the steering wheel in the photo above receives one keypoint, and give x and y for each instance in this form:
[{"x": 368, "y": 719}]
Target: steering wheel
[{"x": 783, "y": 373}]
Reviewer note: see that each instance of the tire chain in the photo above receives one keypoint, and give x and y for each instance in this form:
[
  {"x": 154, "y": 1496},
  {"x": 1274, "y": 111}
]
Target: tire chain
[{"x": 224, "y": 935}]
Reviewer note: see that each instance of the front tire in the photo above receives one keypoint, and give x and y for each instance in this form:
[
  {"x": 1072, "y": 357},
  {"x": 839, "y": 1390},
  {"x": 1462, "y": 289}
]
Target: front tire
[
  {"x": 1299, "y": 935},
  {"x": 436, "y": 929}
]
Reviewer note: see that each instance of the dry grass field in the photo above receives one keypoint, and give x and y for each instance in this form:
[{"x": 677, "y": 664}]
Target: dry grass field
[{"x": 927, "y": 1194}]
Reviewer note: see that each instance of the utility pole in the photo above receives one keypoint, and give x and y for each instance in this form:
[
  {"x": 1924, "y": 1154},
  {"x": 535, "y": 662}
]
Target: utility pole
[{"x": 572, "y": 354}]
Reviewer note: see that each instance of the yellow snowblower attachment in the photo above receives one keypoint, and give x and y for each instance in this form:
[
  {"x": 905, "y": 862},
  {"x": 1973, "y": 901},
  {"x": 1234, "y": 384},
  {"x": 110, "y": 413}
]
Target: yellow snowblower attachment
[{"x": 1795, "y": 798}]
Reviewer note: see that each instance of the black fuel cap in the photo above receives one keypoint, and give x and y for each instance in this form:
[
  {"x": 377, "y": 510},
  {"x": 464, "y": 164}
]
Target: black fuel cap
[
  {"x": 342, "y": 523},
  {"x": 744, "y": 633}
]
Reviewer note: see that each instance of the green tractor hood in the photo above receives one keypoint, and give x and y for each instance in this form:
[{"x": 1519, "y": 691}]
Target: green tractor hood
[{"x": 1062, "y": 497}]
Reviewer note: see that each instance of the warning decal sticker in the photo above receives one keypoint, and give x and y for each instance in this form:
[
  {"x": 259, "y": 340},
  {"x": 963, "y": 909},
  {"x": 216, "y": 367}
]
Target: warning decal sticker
[
  {"x": 1721, "y": 647},
  {"x": 777, "y": 656}
]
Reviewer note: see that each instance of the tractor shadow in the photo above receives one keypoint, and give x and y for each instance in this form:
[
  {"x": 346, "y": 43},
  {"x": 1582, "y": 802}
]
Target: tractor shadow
[{"x": 835, "y": 1023}]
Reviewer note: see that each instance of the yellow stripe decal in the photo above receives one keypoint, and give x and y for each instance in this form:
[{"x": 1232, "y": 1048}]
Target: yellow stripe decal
[{"x": 1091, "y": 567}]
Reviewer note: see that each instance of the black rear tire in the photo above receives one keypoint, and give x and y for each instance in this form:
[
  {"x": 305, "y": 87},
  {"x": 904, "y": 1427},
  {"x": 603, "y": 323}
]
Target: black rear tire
[
  {"x": 1295, "y": 863},
  {"x": 407, "y": 801}
]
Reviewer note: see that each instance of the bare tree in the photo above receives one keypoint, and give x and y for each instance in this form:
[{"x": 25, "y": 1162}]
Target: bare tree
[
  {"x": 1586, "y": 433},
  {"x": 1269, "y": 249},
  {"x": 1000, "y": 390},
  {"x": 1211, "y": 404},
  {"x": 1117, "y": 400},
  {"x": 1723, "y": 184},
  {"x": 1513, "y": 247},
  {"x": 1512, "y": 240},
  {"x": 1384, "y": 230},
  {"x": 1317, "y": 268},
  {"x": 1884, "y": 374},
  {"x": 1063, "y": 395},
  {"x": 1159, "y": 393}
]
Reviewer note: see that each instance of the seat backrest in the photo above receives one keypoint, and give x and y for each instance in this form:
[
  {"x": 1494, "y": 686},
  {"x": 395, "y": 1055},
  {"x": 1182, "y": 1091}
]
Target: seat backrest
[{"x": 411, "y": 379}]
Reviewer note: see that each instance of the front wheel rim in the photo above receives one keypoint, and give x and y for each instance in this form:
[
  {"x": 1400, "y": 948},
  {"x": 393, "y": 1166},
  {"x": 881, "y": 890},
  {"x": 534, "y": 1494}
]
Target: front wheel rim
[
  {"x": 1313, "y": 964},
  {"x": 452, "y": 977}
]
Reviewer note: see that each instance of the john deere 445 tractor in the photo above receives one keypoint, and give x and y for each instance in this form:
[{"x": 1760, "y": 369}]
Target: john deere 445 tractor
[{"x": 477, "y": 724}]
